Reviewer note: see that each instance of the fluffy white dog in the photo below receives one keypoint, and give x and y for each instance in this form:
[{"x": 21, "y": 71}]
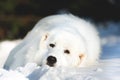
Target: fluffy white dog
[{"x": 59, "y": 40}]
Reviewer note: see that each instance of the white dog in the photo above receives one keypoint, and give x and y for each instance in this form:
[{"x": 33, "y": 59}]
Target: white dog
[{"x": 59, "y": 40}]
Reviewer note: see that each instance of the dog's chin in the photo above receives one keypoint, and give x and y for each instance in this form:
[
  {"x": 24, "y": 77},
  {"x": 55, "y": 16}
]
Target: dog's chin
[{"x": 50, "y": 65}]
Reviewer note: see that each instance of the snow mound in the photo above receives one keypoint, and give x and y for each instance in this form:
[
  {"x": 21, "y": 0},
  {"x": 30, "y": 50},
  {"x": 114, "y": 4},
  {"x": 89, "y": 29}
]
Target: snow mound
[{"x": 107, "y": 70}]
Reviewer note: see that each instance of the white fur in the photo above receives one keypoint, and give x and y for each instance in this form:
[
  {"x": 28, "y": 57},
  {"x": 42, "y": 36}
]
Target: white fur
[
  {"x": 66, "y": 32},
  {"x": 5, "y": 48}
]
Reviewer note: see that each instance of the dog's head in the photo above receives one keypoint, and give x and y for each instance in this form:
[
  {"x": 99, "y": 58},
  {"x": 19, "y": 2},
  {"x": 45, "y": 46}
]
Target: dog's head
[{"x": 63, "y": 49}]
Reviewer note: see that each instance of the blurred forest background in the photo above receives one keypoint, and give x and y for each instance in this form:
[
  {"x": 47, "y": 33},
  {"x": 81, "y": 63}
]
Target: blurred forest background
[{"x": 17, "y": 17}]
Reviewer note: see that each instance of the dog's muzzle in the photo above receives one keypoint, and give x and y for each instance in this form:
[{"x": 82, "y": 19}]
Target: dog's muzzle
[{"x": 51, "y": 60}]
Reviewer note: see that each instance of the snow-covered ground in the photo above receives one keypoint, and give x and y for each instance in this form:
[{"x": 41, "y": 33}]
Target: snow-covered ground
[{"x": 108, "y": 68}]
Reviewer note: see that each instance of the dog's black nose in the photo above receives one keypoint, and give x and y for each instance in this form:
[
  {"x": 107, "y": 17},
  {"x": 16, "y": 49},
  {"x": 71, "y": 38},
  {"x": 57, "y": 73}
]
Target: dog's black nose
[{"x": 51, "y": 60}]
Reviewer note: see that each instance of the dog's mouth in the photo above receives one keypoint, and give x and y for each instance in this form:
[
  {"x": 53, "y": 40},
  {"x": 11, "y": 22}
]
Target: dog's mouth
[{"x": 50, "y": 65}]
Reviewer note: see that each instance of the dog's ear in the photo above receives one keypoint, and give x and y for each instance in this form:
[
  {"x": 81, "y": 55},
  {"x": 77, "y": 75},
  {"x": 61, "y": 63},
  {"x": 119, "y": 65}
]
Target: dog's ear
[
  {"x": 41, "y": 47},
  {"x": 82, "y": 58},
  {"x": 43, "y": 39}
]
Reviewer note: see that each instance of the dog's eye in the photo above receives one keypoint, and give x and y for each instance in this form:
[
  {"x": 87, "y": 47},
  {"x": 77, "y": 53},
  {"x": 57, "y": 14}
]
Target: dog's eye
[
  {"x": 52, "y": 45},
  {"x": 67, "y": 51}
]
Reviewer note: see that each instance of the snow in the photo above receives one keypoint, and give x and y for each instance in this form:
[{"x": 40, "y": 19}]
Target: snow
[
  {"x": 11, "y": 75},
  {"x": 107, "y": 69}
]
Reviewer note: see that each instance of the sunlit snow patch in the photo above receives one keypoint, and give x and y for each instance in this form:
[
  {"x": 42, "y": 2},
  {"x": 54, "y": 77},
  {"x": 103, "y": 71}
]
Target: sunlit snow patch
[{"x": 107, "y": 70}]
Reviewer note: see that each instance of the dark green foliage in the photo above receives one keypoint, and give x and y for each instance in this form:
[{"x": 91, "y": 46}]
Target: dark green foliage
[{"x": 17, "y": 17}]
